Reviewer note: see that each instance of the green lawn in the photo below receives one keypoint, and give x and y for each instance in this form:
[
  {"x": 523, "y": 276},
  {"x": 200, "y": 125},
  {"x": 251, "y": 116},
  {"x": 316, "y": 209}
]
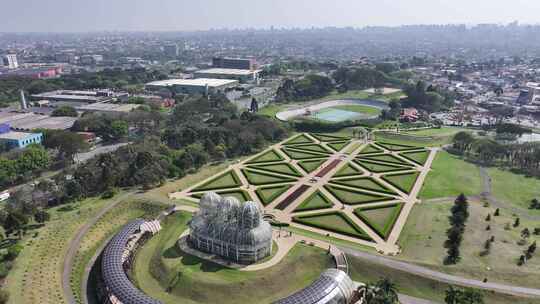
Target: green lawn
[
  {"x": 354, "y": 197},
  {"x": 380, "y": 218},
  {"x": 225, "y": 180},
  {"x": 311, "y": 165},
  {"x": 271, "y": 110},
  {"x": 332, "y": 221},
  {"x": 338, "y": 146},
  {"x": 403, "y": 181},
  {"x": 260, "y": 178},
  {"x": 379, "y": 167},
  {"x": 418, "y": 157},
  {"x": 444, "y": 131},
  {"x": 330, "y": 137},
  {"x": 268, "y": 194},
  {"x": 159, "y": 264},
  {"x": 348, "y": 170},
  {"x": 450, "y": 176},
  {"x": 315, "y": 201},
  {"x": 423, "y": 236},
  {"x": 370, "y": 149},
  {"x": 299, "y": 139},
  {"x": 386, "y": 158},
  {"x": 282, "y": 168},
  {"x": 353, "y": 147},
  {"x": 312, "y": 148},
  {"x": 363, "y": 183},
  {"x": 269, "y": 156},
  {"x": 515, "y": 189},
  {"x": 302, "y": 154}
]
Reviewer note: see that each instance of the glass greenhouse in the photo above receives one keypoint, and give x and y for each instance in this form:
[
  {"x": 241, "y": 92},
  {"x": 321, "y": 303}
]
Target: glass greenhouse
[{"x": 234, "y": 231}]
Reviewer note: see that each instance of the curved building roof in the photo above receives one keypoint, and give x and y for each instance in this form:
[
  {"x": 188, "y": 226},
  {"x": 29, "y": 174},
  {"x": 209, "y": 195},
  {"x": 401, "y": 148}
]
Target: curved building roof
[
  {"x": 113, "y": 272},
  {"x": 333, "y": 286}
]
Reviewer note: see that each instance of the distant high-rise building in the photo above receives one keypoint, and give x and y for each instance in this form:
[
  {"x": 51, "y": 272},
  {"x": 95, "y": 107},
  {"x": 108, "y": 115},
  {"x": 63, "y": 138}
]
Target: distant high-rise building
[
  {"x": 171, "y": 50},
  {"x": 233, "y": 63},
  {"x": 10, "y": 60}
]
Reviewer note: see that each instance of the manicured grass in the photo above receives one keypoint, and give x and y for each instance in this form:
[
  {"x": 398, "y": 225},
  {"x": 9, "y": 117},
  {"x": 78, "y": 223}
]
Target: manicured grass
[
  {"x": 261, "y": 178},
  {"x": 355, "y": 197},
  {"x": 107, "y": 226},
  {"x": 515, "y": 189},
  {"x": 402, "y": 181},
  {"x": 239, "y": 194},
  {"x": 378, "y": 167},
  {"x": 311, "y": 165},
  {"x": 419, "y": 142},
  {"x": 228, "y": 179},
  {"x": 395, "y": 146},
  {"x": 359, "y": 109},
  {"x": 268, "y": 194},
  {"x": 159, "y": 262},
  {"x": 269, "y": 156},
  {"x": 385, "y": 158},
  {"x": 380, "y": 218},
  {"x": 271, "y": 110},
  {"x": 282, "y": 168},
  {"x": 353, "y": 147},
  {"x": 423, "y": 236},
  {"x": 36, "y": 276},
  {"x": 332, "y": 221},
  {"x": 370, "y": 149},
  {"x": 419, "y": 157},
  {"x": 315, "y": 201},
  {"x": 329, "y": 137},
  {"x": 444, "y": 131},
  {"x": 299, "y": 139},
  {"x": 338, "y": 146},
  {"x": 302, "y": 154},
  {"x": 312, "y": 148},
  {"x": 366, "y": 183},
  {"x": 450, "y": 176},
  {"x": 348, "y": 170}
]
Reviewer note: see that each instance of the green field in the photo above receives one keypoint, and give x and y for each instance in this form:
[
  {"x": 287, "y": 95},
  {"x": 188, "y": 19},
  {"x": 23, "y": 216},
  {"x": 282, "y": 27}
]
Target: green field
[
  {"x": 268, "y": 194},
  {"x": 329, "y": 137},
  {"x": 261, "y": 178},
  {"x": 380, "y": 218},
  {"x": 348, "y": 170},
  {"x": 379, "y": 167},
  {"x": 417, "y": 157},
  {"x": 299, "y": 139},
  {"x": 315, "y": 201},
  {"x": 159, "y": 265},
  {"x": 515, "y": 189},
  {"x": 423, "y": 236},
  {"x": 269, "y": 156},
  {"x": 282, "y": 168},
  {"x": 311, "y": 165},
  {"x": 312, "y": 148},
  {"x": 338, "y": 146},
  {"x": 370, "y": 149},
  {"x": 332, "y": 221},
  {"x": 444, "y": 131},
  {"x": 366, "y": 183},
  {"x": 228, "y": 179},
  {"x": 450, "y": 176},
  {"x": 386, "y": 158},
  {"x": 302, "y": 154},
  {"x": 392, "y": 146},
  {"x": 355, "y": 197},
  {"x": 403, "y": 181}
]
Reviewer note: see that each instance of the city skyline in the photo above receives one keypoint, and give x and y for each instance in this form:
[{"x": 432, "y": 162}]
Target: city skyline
[{"x": 171, "y": 15}]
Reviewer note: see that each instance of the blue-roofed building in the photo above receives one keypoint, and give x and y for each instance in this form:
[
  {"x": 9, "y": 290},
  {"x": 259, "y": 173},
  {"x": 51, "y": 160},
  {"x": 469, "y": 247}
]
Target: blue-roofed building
[{"x": 20, "y": 140}]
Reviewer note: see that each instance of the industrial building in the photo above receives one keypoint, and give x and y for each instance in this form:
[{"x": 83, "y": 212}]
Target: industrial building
[
  {"x": 18, "y": 140},
  {"x": 234, "y": 231},
  {"x": 243, "y": 76},
  {"x": 80, "y": 96},
  {"x": 22, "y": 121},
  {"x": 192, "y": 86},
  {"x": 233, "y": 63}
]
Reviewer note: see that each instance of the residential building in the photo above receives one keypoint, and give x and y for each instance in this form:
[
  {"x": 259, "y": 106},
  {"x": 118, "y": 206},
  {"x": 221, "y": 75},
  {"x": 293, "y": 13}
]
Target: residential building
[
  {"x": 10, "y": 60},
  {"x": 171, "y": 50}
]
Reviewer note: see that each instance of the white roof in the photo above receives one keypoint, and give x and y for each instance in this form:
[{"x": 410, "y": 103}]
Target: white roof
[
  {"x": 16, "y": 135},
  {"x": 236, "y": 72},
  {"x": 199, "y": 82}
]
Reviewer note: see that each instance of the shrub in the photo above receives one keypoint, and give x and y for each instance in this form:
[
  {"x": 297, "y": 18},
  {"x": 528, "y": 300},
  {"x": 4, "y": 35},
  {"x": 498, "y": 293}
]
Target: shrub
[{"x": 14, "y": 251}]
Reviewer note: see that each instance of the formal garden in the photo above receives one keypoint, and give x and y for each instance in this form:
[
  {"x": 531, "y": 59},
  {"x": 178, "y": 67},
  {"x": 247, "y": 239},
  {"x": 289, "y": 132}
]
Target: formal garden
[{"x": 332, "y": 184}]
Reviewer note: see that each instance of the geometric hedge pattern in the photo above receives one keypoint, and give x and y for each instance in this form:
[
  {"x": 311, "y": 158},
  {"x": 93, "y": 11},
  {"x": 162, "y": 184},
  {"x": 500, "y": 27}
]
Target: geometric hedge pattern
[{"x": 314, "y": 182}]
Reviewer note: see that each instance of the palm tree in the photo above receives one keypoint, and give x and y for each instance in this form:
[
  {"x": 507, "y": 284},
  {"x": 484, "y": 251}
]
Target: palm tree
[
  {"x": 382, "y": 292},
  {"x": 453, "y": 295}
]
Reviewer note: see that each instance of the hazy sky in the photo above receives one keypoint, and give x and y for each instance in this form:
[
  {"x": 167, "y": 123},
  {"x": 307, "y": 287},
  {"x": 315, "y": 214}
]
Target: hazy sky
[{"x": 149, "y": 15}]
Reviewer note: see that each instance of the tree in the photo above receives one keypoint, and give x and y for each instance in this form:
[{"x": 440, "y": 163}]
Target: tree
[
  {"x": 42, "y": 216},
  {"x": 119, "y": 129},
  {"x": 497, "y": 212},
  {"x": 33, "y": 158},
  {"x": 488, "y": 218},
  {"x": 516, "y": 222},
  {"x": 4, "y": 296},
  {"x": 453, "y": 295},
  {"x": 65, "y": 111},
  {"x": 535, "y": 204},
  {"x": 68, "y": 143},
  {"x": 525, "y": 233},
  {"x": 463, "y": 296},
  {"x": 463, "y": 141},
  {"x": 532, "y": 248},
  {"x": 382, "y": 292}
]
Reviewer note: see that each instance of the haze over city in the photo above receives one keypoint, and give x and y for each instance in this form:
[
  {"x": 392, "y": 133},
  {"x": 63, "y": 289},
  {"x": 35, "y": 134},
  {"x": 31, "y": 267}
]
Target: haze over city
[{"x": 182, "y": 15}]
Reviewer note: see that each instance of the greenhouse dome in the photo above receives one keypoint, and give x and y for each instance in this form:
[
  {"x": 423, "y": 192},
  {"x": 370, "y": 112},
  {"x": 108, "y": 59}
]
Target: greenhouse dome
[{"x": 230, "y": 229}]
